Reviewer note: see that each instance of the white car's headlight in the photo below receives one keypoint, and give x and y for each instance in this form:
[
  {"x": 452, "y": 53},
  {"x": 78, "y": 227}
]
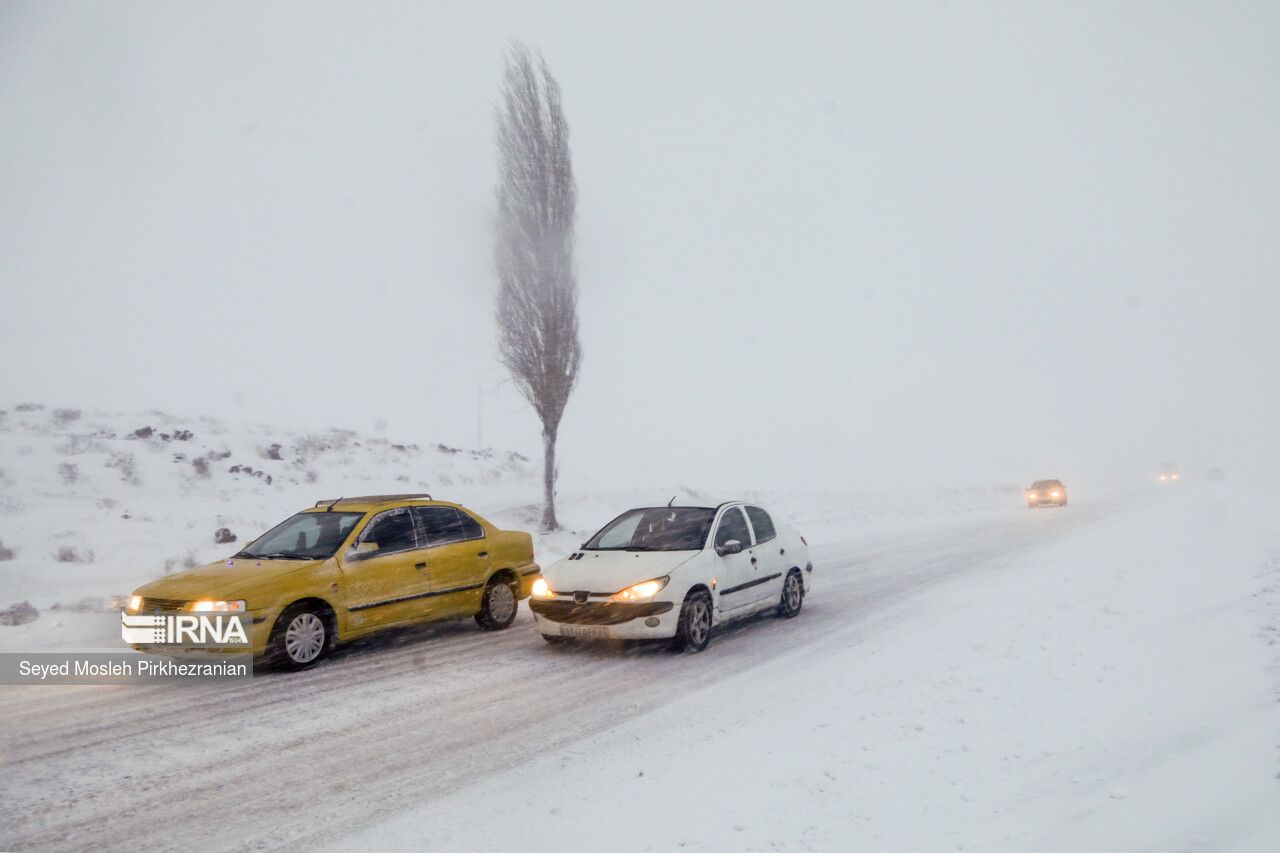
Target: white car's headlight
[
  {"x": 645, "y": 589},
  {"x": 540, "y": 589},
  {"x": 218, "y": 606}
]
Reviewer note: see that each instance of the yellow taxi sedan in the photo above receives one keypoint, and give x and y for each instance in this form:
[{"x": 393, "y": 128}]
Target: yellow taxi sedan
[{"x": 346, "y": 568}]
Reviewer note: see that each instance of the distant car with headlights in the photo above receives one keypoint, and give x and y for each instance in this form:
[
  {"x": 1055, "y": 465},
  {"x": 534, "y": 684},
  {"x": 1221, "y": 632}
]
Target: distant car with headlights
[
  {"x": 349, "y": 567},
  {"x": 1047, "y": 493},
  {"x": 673, "y": 573},
  {"x": 1168, "y": 473}
]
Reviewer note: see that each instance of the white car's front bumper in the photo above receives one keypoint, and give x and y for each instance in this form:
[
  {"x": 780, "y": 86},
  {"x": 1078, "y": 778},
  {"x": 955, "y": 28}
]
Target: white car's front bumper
[{"x": 563, "y": 617}]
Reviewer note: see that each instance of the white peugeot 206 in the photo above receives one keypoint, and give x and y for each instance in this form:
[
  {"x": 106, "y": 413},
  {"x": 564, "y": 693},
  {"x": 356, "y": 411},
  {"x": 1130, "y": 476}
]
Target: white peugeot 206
[{"x": 673, "y": 572}]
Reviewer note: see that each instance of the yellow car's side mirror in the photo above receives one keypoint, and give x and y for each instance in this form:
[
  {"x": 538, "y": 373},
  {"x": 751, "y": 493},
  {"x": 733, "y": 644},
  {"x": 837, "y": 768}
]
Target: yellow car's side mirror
[{"x": 362, "y": 550}]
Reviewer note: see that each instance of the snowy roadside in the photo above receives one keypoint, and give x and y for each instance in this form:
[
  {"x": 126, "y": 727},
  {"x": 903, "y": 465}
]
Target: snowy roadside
[
  {"x": 1116, "y": 691},
  {"x": 93, "y": 505}
]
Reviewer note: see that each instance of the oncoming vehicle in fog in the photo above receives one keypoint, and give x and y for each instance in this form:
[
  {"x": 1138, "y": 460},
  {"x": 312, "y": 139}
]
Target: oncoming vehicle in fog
[
  {"x": 349, "y": 567},
  {"x": 1047, "y": 493},
  {"x": 673, "y": 573}
]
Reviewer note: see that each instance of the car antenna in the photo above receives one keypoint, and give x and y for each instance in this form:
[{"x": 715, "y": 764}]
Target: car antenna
[
  {"x": 330, "y": 509},
  {"x": 672, "y": 501}
]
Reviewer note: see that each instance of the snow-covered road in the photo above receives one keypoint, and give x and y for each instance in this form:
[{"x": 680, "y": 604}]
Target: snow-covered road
[{"x": 437, "y": 736}]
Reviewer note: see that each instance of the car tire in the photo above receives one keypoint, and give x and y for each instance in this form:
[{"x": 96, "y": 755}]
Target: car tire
[
  {"x": 498, "y": 605},
  {"x": 693, "y": 631},
  {"x": 299, "y": 639},
  {"x": 792, "y": 595}
]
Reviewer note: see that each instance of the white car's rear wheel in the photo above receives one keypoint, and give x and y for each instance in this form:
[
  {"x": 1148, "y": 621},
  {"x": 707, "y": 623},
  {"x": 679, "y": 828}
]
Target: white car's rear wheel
[{"x": 792, "y": 595}]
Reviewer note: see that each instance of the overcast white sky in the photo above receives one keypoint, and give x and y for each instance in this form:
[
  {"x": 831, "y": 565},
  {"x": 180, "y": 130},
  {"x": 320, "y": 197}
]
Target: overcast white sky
[{"x": 824, "y": 244}]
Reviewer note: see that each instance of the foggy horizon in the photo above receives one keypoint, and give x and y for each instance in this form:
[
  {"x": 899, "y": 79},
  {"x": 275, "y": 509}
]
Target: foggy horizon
[{"x": 819, "y": 247}]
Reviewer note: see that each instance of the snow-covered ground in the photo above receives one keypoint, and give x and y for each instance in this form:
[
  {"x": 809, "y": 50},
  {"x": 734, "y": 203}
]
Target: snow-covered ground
[
  {"x": 967, "y": 674},
  {"x": 1115, "y": 687}
]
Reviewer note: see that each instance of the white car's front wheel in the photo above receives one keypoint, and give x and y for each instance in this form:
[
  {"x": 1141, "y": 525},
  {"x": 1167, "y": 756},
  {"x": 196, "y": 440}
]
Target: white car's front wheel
[{"x": 693, "y": 632}]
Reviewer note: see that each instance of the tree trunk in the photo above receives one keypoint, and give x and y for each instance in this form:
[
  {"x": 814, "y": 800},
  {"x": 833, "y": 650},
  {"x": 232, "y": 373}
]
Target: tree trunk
[{"x": 549, "y": 480}]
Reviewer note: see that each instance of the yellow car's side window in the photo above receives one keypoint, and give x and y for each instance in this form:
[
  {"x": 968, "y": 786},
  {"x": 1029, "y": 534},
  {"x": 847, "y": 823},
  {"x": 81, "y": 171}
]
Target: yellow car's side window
[
  {"x": 444, "y": 525},
  {"x": 388, "y": 533}
]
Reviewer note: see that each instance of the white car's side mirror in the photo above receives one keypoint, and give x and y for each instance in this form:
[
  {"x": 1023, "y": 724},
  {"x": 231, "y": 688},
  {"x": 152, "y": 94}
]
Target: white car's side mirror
[{"x": 733, "y": 546}]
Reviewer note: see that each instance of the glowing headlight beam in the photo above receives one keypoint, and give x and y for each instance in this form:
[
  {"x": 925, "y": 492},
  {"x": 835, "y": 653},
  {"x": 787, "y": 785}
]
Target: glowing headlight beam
[
  {"x": 218, "y": 606},
  {"x": 644, "y": 589}
]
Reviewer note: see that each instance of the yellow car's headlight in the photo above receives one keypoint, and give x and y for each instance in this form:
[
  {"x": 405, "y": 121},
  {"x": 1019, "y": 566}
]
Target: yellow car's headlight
[
  {"x": 540, "y": 589},
  {"x": 645, "y": 589},
  {"x": 218, "y": 606},
  {"x": 135, "y": 601}
]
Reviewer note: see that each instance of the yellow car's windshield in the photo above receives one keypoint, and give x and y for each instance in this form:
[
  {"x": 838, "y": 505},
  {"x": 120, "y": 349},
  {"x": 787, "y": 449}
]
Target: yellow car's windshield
[{"x": 306, "y": 536}]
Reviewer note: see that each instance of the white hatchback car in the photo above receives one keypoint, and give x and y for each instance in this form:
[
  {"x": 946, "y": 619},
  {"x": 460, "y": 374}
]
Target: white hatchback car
[{"x": 673, "y": 572}]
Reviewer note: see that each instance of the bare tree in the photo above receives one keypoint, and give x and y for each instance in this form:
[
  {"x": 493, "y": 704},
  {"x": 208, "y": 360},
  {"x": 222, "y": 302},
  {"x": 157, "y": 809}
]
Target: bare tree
[{"x": 537, "y": 310}]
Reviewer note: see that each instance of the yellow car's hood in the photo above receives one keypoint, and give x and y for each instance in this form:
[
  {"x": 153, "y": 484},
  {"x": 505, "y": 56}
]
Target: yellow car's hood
[{"x": 222, "y": 580}]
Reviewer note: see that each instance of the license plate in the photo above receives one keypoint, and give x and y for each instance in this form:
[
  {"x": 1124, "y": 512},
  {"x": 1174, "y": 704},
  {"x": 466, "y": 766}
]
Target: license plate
[{"x": 592, "y": 631}]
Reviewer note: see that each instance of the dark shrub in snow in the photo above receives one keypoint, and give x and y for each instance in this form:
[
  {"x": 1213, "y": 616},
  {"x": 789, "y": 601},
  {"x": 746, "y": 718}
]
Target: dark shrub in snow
[
  {"x": 223, "y": 535},
  {"x": 19, "y": 614},
  {"x": 68, "y": 554}
]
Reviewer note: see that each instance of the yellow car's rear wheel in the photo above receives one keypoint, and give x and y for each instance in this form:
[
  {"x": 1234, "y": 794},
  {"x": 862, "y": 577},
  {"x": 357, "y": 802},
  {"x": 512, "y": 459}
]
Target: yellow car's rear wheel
[{"x": 498, "y": 605}]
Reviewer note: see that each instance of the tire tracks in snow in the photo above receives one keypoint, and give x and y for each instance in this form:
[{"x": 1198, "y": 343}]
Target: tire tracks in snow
[{"x": 397, "y": 721}]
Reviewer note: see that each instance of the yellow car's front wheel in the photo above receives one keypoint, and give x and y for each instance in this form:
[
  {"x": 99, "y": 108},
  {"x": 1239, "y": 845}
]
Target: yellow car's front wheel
[{"x": 299, "y": 639}]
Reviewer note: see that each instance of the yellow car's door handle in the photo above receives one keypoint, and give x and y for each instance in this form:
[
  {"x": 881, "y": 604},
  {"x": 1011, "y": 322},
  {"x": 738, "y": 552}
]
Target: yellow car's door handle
[{"x": 419, "y": 565}]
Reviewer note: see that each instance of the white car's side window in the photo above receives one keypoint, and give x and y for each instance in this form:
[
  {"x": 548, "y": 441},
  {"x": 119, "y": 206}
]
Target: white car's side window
[
  {"x": 733, "y": 526},
  {"x": 762, "y": 524}
]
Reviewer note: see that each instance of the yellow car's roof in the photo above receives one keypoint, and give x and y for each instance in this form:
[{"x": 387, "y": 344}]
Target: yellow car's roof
[{"x": 371, "y": 501}]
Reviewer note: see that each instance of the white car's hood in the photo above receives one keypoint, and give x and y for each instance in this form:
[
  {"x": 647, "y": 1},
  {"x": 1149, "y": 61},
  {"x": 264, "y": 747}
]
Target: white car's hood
[{"x": 612, "y": 571}]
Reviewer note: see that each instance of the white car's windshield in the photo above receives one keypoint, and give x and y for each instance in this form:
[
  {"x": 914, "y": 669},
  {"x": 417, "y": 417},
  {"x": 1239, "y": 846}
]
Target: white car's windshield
[
  {"x": 655, "y": 529},
  {"x": 306, "y": 536}
]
